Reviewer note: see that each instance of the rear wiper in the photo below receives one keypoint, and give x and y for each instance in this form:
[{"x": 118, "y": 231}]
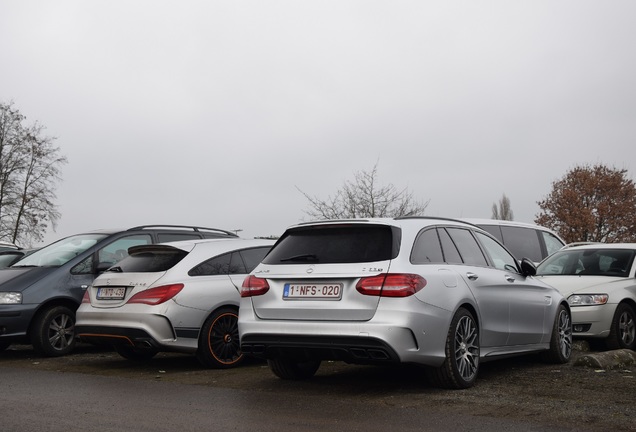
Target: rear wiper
[{"x": 303, "y": 257}]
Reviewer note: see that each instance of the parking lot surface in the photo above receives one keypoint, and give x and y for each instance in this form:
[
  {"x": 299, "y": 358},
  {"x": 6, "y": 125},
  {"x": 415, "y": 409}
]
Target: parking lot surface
[{"x": 565, "y": 397}]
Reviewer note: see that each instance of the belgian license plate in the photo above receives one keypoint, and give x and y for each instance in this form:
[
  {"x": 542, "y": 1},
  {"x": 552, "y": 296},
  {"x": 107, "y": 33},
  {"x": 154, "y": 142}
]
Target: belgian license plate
[
  {"x": 318, "y": 291},
  {"x": 111, "y": 293}
]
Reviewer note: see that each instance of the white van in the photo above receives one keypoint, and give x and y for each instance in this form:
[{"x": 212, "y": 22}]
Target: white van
[{"x": 524, "y": 240}]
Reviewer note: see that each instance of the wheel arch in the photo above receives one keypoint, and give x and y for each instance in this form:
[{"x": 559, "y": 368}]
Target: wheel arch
[{"x": 60, "y": 301}]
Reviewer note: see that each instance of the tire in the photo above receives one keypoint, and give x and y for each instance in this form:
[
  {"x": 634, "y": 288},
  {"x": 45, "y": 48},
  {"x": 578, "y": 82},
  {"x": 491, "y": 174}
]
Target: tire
[
  {"x": 135, "y": 354},
  {"x": 219, "y": 345},
  {"x": 560, "y": 339},
  {"x": 460, "y": 368},
  {"x": 293, "y": 370},
  {"x": 53, "y": 331},
  {"x": 623, "y": 330},
  {"x": 4, "y": 345}
]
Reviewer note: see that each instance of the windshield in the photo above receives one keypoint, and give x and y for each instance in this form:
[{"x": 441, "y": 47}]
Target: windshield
[
  {"x": 588, "y": 262},
  {"x": 61, "y": 252}
]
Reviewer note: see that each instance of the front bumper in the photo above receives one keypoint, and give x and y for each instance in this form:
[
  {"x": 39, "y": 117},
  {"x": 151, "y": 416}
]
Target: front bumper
[
  {"x": 595, "y": 320},
  {"x": 15, "y": 320}
]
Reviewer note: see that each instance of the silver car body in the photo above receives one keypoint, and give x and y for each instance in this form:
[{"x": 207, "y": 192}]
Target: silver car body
[
  {"x": 612, "y": 282},
  {"x": 516, "y": 314},
  {"x": 173, "y": 325}
]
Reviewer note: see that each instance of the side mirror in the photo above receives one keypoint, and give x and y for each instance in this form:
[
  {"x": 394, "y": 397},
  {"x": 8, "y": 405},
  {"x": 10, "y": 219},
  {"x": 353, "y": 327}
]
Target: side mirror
[{"x": 528, "y": 268}]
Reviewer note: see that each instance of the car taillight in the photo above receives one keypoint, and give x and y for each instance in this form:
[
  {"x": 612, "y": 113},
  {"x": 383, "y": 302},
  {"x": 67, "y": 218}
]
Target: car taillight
[
  {"x": 391, "y": 285},
  {"x": 158, "y": 295},
  {"x": 86, "y": 298},
  {"x": 253, "y": 286}
]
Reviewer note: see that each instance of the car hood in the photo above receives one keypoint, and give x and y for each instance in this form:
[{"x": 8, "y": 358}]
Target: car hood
[
  {"x": 585, "y": 284},
  {"x": 19, "y": 278}
]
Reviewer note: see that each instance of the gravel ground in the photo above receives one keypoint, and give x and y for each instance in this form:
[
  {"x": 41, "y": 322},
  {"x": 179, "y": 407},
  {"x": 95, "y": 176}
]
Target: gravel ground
[{"x": 572, "y": 396}]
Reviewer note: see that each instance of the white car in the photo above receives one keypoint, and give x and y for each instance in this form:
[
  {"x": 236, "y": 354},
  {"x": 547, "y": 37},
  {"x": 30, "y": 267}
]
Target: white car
[
  {"x": 181, "y": 296},
  {"x": 523, "y": 240},
  {"x": 599, "y": 282}
]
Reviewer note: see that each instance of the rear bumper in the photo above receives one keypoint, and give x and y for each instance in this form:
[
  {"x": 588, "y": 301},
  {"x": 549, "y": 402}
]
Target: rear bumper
[
  {"x": 133, "y": 328},
  {"x": 116, "y": 336},
  {"x": 390, "y": 337},
  {"x": 360, "y": 350}
]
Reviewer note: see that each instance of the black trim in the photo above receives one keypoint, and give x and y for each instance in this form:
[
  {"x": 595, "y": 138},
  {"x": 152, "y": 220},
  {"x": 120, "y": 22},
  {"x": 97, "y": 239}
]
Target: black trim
[{"x": 351, "y": 349}]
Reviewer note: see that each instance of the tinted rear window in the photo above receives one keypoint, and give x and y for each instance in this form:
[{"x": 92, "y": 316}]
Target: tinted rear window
[
  {"x": 336, "y": 244},
  {"x": 151, "y": 261}
]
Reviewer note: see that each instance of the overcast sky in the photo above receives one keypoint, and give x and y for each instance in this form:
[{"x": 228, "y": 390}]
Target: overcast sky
[{"x": 215, "y": 113}]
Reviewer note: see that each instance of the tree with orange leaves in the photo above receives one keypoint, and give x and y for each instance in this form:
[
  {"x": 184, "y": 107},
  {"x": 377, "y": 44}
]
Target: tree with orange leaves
[{"x": 591, "y": 204}]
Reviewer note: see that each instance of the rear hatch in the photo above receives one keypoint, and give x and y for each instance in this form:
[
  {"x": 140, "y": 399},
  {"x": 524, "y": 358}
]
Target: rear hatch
[
  {"x": 138, "y": 272},
  {"x": 313, "y": 270}
]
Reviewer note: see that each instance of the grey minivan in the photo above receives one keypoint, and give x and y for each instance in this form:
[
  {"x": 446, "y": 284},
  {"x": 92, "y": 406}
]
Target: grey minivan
[{"x": 40, "y": 293}]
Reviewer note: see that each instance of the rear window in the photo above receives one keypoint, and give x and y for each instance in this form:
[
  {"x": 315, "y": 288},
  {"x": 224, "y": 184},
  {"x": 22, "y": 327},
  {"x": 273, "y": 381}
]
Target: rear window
[
  {"x": 149, "y": 261},
  {"x": 336, "y": 244}
]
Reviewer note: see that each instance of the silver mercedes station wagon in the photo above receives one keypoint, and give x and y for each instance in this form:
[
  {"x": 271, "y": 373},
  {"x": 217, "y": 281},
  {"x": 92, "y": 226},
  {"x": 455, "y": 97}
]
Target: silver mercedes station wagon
[{"x": 435, "y": 292}]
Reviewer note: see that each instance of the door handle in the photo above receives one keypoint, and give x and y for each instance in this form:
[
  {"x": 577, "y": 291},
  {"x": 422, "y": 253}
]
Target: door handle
[
  {"x": 510, "y": 278},
  {"x": 472, "y": 276}
]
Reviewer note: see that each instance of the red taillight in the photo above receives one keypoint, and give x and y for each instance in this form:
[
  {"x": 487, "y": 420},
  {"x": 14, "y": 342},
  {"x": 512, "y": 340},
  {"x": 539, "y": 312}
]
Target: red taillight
[
  {"x": 158, "y": 295},
  {"x": 86, "y": 298},
  {"x": 253, "y": 286},
  {"x": 391, "y": 285}
]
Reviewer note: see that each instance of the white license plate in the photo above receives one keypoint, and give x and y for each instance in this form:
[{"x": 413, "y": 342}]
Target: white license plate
[
  {"x": 111, "y": 293},
  {"x": 319, "y": 291}
]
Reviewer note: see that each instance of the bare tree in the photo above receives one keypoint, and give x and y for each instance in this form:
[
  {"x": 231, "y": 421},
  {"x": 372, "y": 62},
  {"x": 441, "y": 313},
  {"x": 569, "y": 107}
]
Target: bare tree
[
  {"x": 595, "y": 204},
  {"x": 504, "y": 211},
  {"x": 29, "y": 171},
  {"x": 363, "y": 197}
]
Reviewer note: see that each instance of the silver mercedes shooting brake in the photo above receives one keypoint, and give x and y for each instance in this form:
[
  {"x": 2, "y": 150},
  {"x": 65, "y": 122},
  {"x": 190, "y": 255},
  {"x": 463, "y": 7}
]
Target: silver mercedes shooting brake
[{"x": 436, "y": 292}]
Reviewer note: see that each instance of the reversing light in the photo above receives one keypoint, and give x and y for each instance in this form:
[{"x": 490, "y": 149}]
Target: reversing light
[
  {"x": 254, "y": 286},
  {"x": 391, "y": 285}
]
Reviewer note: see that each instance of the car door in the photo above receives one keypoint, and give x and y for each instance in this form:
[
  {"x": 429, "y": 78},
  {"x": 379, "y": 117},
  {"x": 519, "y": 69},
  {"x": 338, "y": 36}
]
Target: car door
[
  {"x": 487, "y": 285},
  {"x": 528, "y": 300}
]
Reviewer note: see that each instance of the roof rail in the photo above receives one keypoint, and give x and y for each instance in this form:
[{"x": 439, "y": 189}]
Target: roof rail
[
  {"x": 185, "y": 228},
  {"x": 435, "y": 218}
]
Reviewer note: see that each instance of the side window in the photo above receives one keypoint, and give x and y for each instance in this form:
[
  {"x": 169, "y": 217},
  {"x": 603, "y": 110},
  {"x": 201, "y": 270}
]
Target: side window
[
  {"x": 451, "y": 254},
  {"x": 552, "y": 243},
  {"x": 83, "y": 267},
  {"x": 522, "y": 242},
  {"x": 253, "y": 257},
  {"x": 495, "y": 230},
  {"x": 467, "y": 246},
  {"x": 427, "y": 248},
  {"x": 219, "y": 265},
  {"x": 236, "y": 264},
  {"x": 500, "y": 256}
]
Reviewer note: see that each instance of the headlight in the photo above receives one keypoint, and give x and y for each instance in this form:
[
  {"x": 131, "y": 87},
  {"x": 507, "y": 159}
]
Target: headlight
[
  {"x": 10, "y": 297},
  {"x": 587, "y": 299}
]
